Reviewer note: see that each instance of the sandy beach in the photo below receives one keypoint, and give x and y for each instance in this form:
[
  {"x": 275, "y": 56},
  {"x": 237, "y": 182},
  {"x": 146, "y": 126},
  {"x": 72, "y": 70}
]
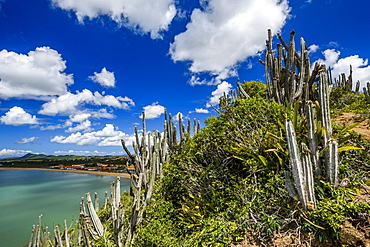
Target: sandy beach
[{"x": 124, "y": 175}]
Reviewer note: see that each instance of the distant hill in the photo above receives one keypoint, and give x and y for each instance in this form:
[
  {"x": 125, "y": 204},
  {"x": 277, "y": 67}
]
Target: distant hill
[{"x": 31, "y": 156}]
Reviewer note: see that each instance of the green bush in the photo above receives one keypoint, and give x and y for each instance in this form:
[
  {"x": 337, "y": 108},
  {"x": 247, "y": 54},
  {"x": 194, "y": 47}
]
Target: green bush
[
  {"x": 229, "y": 179},
  {"x": 255, "y": 88}
]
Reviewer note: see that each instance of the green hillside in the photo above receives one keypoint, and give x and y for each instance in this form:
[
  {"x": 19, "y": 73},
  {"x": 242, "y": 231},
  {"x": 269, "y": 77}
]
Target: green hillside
[{"x": 272, "y": 168}]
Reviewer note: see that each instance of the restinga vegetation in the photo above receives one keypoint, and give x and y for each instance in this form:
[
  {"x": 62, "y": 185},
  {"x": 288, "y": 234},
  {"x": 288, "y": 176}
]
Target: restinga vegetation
[{"x": 272, "y": 169}]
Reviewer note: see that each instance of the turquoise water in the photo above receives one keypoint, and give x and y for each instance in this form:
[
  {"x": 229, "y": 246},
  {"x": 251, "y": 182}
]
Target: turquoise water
[{"x": 25, "y": 194}]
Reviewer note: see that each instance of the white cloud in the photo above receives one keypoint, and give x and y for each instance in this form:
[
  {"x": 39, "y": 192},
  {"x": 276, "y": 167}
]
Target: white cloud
[
  {"x": 104, "y": 78},
  {"x": 18, "y": 116},
  {"x": 108, "y": 136},
  {"x": 77, "y": 138},
  {"x": 222, "y": 89},
  {"x": 331, "y": 57},
  {"x": 140, "y": 15},
  {"x": 79, "y": 152},
  {"x": 38, "y": 74},
  {"x": 70, "y": 104},
  {"x": 79, "y": 117},
  {"x": 360, "y": 66},
  {"x": 333, "y": 44},
  {"x": 27, "y": 140},
  {"x": 85, "y": 126},
  {"x": 313, "y": 48},
  {"x": 200, "y": 110},
  {"x": 10, "y": 152},
  {"x": 66, "y": 124},
  {"x": 196, "y": 80},
  {"x": 102, "y": 113},
  {"x": 153, "y": 111},
  {"x": 226, "y": 33}
]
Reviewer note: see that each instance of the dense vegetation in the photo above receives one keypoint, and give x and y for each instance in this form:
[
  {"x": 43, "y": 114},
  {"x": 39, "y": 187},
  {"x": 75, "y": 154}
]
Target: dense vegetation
[
  {"x": 229, "y": 181},
  {"x": 271, "y": 169}
]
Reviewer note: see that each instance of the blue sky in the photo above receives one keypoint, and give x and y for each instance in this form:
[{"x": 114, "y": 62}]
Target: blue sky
[{"x": 75, "y": 75}]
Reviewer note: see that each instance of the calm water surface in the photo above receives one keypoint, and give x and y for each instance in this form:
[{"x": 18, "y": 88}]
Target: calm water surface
[{"x": 25, "y": 194}]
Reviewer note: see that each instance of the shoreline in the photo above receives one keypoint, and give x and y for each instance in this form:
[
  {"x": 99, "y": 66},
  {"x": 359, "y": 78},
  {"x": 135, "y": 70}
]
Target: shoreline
[{"x": 124, "y": 175}]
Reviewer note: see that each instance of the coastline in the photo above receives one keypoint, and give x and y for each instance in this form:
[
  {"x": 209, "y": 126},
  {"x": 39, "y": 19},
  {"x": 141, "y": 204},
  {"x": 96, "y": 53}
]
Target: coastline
[{"x": 124, "y": 175}]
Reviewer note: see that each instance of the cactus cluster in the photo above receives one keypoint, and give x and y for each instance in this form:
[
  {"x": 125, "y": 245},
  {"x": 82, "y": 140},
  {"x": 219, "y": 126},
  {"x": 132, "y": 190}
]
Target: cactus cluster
[
  {"x": 293, "y": 84},
  {"x": 87, "y": 227},
  {"x": 150, "y": 152}
]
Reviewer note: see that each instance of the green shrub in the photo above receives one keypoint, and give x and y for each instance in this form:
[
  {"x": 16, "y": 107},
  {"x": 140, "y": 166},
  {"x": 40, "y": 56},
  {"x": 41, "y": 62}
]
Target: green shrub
[{"x": 255, "y": 88}]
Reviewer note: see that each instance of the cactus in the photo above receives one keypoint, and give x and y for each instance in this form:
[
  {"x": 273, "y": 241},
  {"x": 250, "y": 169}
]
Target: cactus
[
  {"x": 94, "y": 217},
  {"x": 241, "y": 92},
  {"x": 294, "y": 81},
  {"x": 367, "y": 92},
  {"x": 58, "y": 237},
  {"x": 301, "y": 168},
  {"x": 150, "y": 153},
  {"x": 312, "y": 135},
  {"x": 331, "y": 160},
  {"x": 66, "y": 235},
  {"x": 308, "y": 178},
  {"x": 323, "y": 92}
]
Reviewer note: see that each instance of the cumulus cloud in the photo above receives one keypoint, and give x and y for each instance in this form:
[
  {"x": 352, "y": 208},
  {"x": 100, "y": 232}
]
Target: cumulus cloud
[
  {"x": 142, "y": 16},
  {"x": 70, "y": 104},
  {"x": 85, "y": 126},
  {"x": 196, "y": 80},
  {"x": 89, "y": 153},
  {"x": 11, "y": 152},
  {"x": 331, "y": 57},
  {"x": 34, "y": 75},
  {"x": 102, "y": 113},
  {"x": 66, "y": 124},
  {"x": 104, "y": 78},
  {"x": 360, "y": 66},
  {"x": 27, "y": 140},
  {"x": 222, "y": 89},
  {"x": 108, "y": 136},
  {"x": 225, "y": 33},
  {"x": 79, "y": 117},
  {"x": 313, "y": 48},
  {"x": 153, "y": 111},
  {"x": 199, "y": 110},
  {"x": 18, "y": 116}
]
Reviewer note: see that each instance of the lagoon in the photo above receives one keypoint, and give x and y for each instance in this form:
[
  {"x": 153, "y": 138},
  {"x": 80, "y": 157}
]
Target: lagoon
[{"x": 25, "y": 194}]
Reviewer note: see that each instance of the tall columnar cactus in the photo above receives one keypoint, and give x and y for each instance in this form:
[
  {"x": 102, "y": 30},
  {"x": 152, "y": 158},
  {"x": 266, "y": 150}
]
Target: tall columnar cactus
[
  {"x": 99, "y": 229},
  {"x": 66, "y": 234},
  {"x": 301, "y": 168},
  {"x": 150, "y": 154},
  {"x": 331, "y": 155},
  {"x": 332, "y": 163},
  {"x": 116, "y": 211},
  {"x": 324, "y": 92},
  {"x": 312, "y": 135},
  {"x": 294, "y": 81},
  {"x": 367, "y": 92}
]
